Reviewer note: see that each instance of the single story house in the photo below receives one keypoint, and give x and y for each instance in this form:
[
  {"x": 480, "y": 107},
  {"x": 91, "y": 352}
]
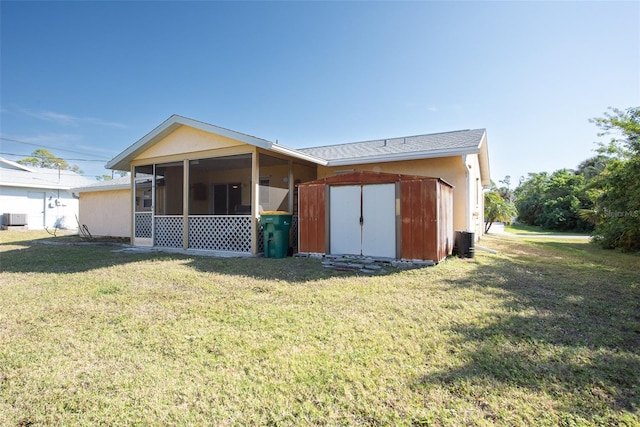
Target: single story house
[
  {"x": 196, "y": 186},
  {"x": 38, "y": 197}
]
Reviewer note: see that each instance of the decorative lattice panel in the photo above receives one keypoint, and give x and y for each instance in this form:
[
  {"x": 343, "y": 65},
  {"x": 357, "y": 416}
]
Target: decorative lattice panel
[
  {"x": 168, "y": 231},
  {"x": 230, "y": 233},
  {"x": 143, "y": 225},
  {"x": 293, "y": 234}
]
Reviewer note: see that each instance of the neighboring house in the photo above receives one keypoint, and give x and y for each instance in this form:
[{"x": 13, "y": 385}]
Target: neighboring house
[
  {"x": 201, "y": 187},
  {"x": 43, "y": 197}
]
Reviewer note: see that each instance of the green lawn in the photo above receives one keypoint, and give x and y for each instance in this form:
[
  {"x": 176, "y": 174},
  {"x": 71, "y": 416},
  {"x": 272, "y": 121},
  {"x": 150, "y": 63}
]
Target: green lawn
[
  {"x": 532, "y": 229},
  {"x": 544, "y": 333}
]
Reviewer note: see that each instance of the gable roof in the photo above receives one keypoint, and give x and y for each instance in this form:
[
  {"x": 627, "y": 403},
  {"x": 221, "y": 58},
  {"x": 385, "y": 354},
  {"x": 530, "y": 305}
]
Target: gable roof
[
  {"x": 11, "y": 176},
  {"x": 123, "y": 160}
]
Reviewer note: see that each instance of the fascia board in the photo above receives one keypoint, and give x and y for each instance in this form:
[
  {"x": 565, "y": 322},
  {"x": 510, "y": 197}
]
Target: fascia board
[
  {"x": 417, "y": 155},
  {"x": 483, "y": 159},
  {"x": 297, "y": 154},
  {"x": 16, "y": 165},
  {"x": 26, "y": 185},
  {"x": 96, "y": 188}
]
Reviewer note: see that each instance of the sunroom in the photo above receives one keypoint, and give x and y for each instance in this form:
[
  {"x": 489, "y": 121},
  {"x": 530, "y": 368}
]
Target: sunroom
[{"x": 199, "y": 187}]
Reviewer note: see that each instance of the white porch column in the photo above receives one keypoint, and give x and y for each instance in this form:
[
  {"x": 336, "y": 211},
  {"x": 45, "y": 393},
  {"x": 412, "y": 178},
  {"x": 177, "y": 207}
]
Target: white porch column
[{"x": 255, "y": 200}]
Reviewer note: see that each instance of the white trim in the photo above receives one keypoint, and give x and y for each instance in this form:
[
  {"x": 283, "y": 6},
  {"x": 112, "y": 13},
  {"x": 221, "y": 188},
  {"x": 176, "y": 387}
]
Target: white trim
[
  {"x": 15, "y": 165},
  {"x": 297, "y": 154},
  {"x": 38, "y": 186}
]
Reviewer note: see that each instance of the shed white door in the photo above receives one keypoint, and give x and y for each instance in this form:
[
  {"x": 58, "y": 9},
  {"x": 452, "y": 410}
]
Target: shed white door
[
  {"x": 344, "y": 220},
  {"x": 379, "y": 220},
  {"x": 362, "y": 220}
]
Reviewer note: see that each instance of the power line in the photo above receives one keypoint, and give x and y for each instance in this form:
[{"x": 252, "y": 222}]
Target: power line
[
  {"x": 53, "y": 148},
  {"x": 75, "y": 160}
]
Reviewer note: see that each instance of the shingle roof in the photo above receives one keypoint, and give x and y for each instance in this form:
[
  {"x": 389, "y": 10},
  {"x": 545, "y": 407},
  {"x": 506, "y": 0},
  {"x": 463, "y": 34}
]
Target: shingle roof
[
  {"x": 41, "y": 178},
  {"x": 437, "y": 144}
]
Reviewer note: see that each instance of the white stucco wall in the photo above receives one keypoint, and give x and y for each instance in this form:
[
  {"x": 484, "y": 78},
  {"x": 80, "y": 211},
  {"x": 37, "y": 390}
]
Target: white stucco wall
[{"x": 44, "y": 207}]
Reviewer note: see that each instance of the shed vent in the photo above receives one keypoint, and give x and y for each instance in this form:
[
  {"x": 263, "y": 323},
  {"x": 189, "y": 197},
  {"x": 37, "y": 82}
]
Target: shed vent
[{"x": 14, "y": 219}]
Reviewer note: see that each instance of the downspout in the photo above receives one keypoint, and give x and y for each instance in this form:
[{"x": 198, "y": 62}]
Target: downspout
[{"x": 467, "y": 170}]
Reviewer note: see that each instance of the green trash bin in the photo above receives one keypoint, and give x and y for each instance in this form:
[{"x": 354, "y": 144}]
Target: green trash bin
[{"x": 275, "y": 225}]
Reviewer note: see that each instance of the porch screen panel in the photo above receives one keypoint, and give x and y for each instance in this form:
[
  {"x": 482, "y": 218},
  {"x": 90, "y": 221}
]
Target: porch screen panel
[
  {"x": 168, "y": 221},
  {"x": 220, "y": 204},
  {"x": 143, "y": 202},
  {"x": 220, "y": 185},
  {"x": 274, "y": 183},
  {"x": 169, "y": 185}
]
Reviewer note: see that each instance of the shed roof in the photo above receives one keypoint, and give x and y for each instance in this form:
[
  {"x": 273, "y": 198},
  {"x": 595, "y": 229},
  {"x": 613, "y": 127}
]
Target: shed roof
[{"x": 368, "y": 177}]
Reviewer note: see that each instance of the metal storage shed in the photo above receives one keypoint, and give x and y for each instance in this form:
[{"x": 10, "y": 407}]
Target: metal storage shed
[{"x": 378, "y": 215}]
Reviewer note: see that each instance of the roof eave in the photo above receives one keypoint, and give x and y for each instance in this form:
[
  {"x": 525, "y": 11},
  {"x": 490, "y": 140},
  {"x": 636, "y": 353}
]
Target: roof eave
[
  {"x": 97, "y": 188},
  {"x": 43, "y": 186},
  {"x": 483, "y": 159},
  {"x": 416, "y": 155},
  {"x": 297, "y": 154}
]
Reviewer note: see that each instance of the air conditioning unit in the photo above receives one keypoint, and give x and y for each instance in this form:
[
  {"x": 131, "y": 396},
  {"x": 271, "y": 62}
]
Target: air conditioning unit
[{"x": 14, "y": 219}]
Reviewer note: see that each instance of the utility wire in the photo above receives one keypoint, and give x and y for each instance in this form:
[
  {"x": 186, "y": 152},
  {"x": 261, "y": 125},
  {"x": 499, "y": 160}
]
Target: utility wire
[
  {"x": 75, "y": 160},
  {"x": 53, "y": 148}
]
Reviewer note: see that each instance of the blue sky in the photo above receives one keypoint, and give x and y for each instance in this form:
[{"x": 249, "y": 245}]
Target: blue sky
[{"x": 94, "y": 77}]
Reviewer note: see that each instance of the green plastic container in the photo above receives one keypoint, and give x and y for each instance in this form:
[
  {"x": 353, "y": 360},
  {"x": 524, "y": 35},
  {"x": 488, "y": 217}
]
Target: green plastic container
[{"x": 275, "y": 225}]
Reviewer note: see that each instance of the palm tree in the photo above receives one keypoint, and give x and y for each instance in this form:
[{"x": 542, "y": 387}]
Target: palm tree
[{"x": 496, "y": 208}]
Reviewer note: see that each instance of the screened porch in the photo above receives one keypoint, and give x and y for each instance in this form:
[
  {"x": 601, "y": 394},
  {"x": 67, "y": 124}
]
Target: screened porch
[{"x": 213, "y": 204}]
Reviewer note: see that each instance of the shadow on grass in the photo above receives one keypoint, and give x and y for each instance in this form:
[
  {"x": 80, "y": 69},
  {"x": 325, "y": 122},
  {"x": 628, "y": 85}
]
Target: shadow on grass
[
  {"x": 40, "y": 256},
  {"x": 567, "y": 324}
]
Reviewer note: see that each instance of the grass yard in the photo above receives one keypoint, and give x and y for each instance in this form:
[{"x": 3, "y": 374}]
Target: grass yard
[
  {"x": 522, "y": 229},
  {"x": 547, "y": 332}
]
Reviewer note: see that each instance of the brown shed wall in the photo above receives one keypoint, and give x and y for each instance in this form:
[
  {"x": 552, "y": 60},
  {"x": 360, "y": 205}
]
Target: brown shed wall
[
  {"x": 311, "y": 219},
  {"x": 419, "y": 219}
]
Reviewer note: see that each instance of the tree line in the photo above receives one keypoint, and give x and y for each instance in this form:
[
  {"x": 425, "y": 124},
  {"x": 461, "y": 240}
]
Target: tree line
[
  {"x": 43, "y": 158},
  {"x": 600, "y": 196}
]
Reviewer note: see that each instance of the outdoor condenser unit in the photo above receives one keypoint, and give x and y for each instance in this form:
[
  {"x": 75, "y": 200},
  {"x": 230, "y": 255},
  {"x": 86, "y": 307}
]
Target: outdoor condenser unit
[{"x": 14, "y": 219}]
